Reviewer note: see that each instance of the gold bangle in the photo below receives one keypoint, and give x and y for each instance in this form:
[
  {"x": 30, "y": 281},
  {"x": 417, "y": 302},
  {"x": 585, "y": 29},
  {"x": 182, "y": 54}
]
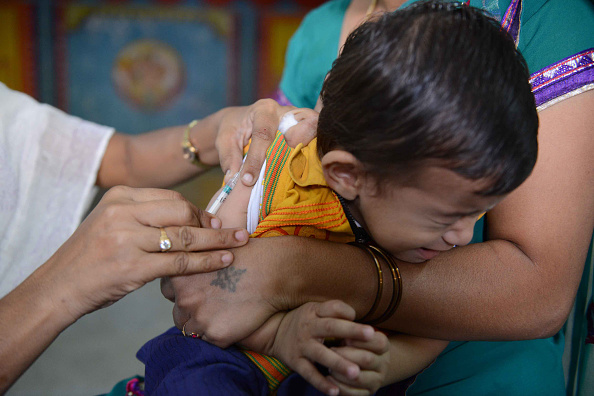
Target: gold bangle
[
  {"x": 396, "y": 286},
  {"x": 380, "y": 281},
  {"x": 190, "y": 152}
]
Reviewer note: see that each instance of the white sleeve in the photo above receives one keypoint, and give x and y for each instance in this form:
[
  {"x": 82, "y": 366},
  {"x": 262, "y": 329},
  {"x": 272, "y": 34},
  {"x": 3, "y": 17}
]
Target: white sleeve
[
  {"x": 255, "y": 204},
  {"x": 48, "y": 166}
]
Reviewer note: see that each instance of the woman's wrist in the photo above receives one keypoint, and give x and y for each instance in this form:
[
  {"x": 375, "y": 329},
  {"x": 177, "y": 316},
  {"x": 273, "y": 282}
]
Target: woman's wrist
[
  {"x": 319, "y": 271},
  {"x": 60, "y": 299},
  {"x": 202, "y": 136}
]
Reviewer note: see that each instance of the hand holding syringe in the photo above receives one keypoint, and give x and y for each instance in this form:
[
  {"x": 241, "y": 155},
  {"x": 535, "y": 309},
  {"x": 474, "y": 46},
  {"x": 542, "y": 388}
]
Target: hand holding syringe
[{"x": 297, "y": 126}]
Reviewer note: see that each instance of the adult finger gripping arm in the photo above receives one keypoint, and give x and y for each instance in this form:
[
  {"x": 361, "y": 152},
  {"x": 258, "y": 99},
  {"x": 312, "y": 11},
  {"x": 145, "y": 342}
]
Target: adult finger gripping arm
[
  {"x": 114, "y": 252},
  {"x": 258, "y": 122}
]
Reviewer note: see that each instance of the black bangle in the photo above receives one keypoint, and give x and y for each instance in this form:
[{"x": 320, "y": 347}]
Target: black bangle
[
  {"x": 380, "y": 281},
  {"x": 396, "y": 286}
]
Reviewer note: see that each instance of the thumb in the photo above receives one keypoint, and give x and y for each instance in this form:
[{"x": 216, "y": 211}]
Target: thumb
[
  {"x": 230, "y": 157},
  {"x": 265, "y": 121}
]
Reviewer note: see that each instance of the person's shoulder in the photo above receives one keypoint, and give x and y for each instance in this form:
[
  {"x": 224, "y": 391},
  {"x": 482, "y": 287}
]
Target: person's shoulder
[
  {"x": 318, "y": 19},
  {"x": 330, "y": 9},
  {"x": 558, "y": 16},
  {"x": 13, "y": 100},
  {"x": 311, "y": 51},
  {"x": 552, "y": 30}
]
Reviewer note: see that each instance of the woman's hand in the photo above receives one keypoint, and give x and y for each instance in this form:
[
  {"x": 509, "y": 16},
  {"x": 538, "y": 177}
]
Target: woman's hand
[
  {"x": 238, "y": 125},
  {"x": 116, "y": 249},
  {"x": 299, "y": 126},
  {"x": 268, "y": 275},
  {"x": 227, "y": 306}
]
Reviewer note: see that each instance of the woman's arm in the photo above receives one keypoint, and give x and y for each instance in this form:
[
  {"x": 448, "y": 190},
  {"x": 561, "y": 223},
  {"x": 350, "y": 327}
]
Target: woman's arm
[
  {"x": 520, "y": 284},
  {"x": 155, "y": 159},
  {"x": 113, "y": 252}
]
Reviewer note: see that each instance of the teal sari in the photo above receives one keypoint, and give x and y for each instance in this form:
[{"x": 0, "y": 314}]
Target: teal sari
[{"x": 556, "y": 37}]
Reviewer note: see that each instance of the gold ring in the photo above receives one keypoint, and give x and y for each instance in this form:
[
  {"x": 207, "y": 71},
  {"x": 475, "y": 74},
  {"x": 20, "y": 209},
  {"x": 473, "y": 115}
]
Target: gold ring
[
  {"x": 164, "y": 241},
  {"x": 193, "y": 335}
]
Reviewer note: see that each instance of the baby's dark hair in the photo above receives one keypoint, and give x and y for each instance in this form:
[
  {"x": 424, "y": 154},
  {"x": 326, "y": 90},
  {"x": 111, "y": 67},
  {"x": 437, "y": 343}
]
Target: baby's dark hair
[{"x": 434, "y": 82}]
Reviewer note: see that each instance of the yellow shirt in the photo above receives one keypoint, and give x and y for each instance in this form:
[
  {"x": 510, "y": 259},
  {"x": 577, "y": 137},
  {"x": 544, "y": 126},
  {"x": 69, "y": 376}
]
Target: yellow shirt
[{"x": 296, "y": 198}]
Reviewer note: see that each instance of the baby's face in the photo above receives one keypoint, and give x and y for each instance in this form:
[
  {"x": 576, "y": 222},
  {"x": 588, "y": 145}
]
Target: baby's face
[{"x": 417, "y": 221}]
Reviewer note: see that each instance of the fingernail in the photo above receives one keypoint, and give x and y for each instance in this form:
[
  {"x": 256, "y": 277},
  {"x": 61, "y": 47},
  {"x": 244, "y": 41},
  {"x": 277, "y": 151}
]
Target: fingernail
[
  {"x": 241, "y": 236},
  {"x": 333, "y": 392},
  {"x": 247, "y": 178},
  {"x": 215, "y": 223},
  {"x": 227, "y": 258},
  {"x": 352, "y": 372},
  {"x": 228, "y": 172},
  {"x": 368, "y": 332}
]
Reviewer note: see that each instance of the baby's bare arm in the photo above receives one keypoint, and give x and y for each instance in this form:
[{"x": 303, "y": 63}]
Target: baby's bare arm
[
  {"x": 409, "y": 355},
  {"x": 233, "y": 212},
  {"x": 384, "y": 360}
]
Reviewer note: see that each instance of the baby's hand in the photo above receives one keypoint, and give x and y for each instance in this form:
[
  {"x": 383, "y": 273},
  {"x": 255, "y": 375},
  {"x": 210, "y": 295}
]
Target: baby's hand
[
  {"x": 373, "y": 359},
  {"x": 299, "y": 126},
  {"x": 299, "y": 342}
]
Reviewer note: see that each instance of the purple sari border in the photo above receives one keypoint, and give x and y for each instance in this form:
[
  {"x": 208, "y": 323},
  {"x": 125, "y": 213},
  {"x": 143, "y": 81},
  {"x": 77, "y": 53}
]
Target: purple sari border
[
  {"x": 549, "y": 74},
  {"x": 281, "y": 98},
  {"x": 568, "y": 75},
  {"x": 511, "y": 20},
  {"x": 509, "y": 14}
]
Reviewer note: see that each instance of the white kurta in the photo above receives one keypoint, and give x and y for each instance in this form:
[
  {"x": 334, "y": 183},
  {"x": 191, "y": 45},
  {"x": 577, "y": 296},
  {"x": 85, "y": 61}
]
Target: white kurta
[{"x": 48, "y": 166}]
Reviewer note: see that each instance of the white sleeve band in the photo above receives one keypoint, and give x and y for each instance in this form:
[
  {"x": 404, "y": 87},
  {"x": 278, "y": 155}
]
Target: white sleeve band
[{"x": 254, "y": 206}]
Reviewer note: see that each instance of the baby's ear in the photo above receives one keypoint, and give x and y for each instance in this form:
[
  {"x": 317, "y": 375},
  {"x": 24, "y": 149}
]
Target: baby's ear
[{"x": 343, "y": 172}]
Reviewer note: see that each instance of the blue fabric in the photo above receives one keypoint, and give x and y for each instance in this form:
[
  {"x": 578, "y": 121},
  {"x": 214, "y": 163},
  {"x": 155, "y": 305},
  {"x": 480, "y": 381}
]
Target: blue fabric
[{"x": 178, "y": 365}]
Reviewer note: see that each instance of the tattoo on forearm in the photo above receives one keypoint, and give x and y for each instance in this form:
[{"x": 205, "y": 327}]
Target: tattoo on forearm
[{"x": 227, "y": 278}]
